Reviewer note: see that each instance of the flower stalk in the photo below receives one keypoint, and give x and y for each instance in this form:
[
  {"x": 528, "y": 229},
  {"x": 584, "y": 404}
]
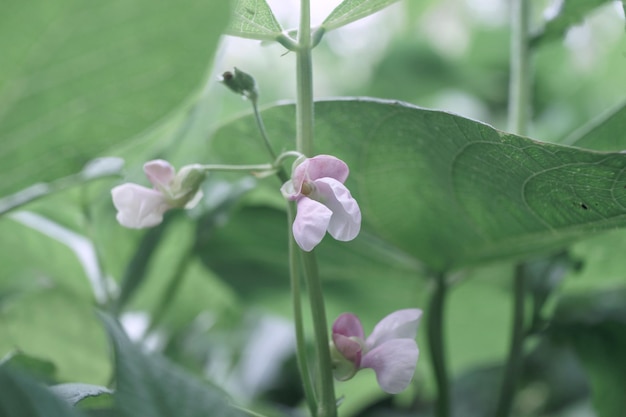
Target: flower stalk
[{"x": 436, "y": 345}]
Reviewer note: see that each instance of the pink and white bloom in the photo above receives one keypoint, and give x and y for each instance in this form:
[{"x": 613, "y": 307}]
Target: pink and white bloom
[
  {"x": 139, "y": 207},
  {"x": 324, "y": 203},
  {"x": 391, "y": 350}
]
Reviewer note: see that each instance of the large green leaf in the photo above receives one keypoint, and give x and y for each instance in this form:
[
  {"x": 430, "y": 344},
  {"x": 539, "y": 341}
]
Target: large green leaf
[
  {"x": 448, "y": 190},
  {"x": 254, "y": 19},
  {"x": 350, "y": 10},
  {"x": 78, "y": 77},
  {"x": 151, "y": 386}
]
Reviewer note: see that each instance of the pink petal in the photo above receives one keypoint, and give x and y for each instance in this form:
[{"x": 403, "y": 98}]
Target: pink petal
[
  {"x": 394, "y": 363},
  {"x": 350, "y": 349},
  {"x": 348, "y": 325},
  {"x": 345, "y": 222},
  {"x": 138, "y": 206},
  {"x": 310, "y": 224},
  {"x": 289, "y": 191},
  {"x": 159, "y": 172},
  {"x": 397, "y": 325},
  {"x": 321, "y": 166}
]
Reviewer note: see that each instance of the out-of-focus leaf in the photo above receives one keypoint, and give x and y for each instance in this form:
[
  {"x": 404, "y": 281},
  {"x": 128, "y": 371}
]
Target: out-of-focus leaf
[
  {"x": 570, "y": 13},
  {"x": 21, "y": 396},
  {"x": 95, "y": 169},
  {"x": 595, "y": 326},
  {"x": 151, "y": 386},
  {"x": 254, "y": 19},
  {"x": 607, "y": 133},
  {"x": 76, "y": 392},
  {"x": 41, "y": 368},
  {"x": 350, "y": 10},
  {"x": 448, "y": 190},
  {"x": 80, "y": 77}
]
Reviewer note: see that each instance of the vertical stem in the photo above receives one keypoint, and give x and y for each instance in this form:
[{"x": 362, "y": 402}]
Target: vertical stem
[
  {"x": 514, "y": 361},
  {"x": 304, "y": 70},
  {"x": 327, "y": 406},
  {"x": 296, "y": 302},
  {"x": 519, "y": 87},
  {"x": 436, "y": 345}
]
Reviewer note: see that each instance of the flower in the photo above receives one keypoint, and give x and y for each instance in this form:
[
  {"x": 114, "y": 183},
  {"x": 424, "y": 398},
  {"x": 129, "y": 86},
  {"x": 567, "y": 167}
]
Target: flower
[
  {"x": 324, "y": 203},
  {"x": 391, "y": 350},
  {"x": 139, "y": 207}
]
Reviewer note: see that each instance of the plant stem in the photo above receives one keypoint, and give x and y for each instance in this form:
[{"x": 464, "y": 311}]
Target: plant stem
[
  {"x": 514, "y": 361},
  {"x": 327, "y": 406},
  {"x": 304, "y": 71},
  {"x": 282, "y": 175},
  {"x": 436, "y": 344},
  {"x": 519, "y": 87},
  {"x": 235, "y": 168},
  {"x": 296, "y": 302}
]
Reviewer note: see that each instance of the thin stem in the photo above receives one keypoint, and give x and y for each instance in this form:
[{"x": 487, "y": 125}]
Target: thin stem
[
  {"x": 327, "y": 406},
  {"x": 514, "y": 361},
  {"x": 296, "y": 302},
  {"x": 519, "y": 87},
  {"x": 234, "y": 168},
  {"x": 304, "y": 71},
  {"x": 282, "y": 175},
  {"x": 436, "y": 344}
]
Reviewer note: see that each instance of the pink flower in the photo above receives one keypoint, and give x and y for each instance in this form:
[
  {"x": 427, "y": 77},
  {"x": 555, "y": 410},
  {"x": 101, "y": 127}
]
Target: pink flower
[
  {"x": 391, "y": 350},
  {"x": 139, "y": 207},
  {"x": 324, "y": 203}
]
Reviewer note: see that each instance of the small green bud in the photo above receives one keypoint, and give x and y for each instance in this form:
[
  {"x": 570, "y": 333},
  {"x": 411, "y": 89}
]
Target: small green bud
[
  {"x": 241, "y": 83},
  {"x": 186, "y": 184}
]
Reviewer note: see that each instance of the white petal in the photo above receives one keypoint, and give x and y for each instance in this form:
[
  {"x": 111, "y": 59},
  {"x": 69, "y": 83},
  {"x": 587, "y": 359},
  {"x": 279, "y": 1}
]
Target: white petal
[
  {"x": 394, "y": 363},
  {"x": 399, "y": 324},
  {"x": 345, "y": 223},
  {"x": 138, "y": 206},
  {"x": 289, "y": 191},
  {"x": 322, "y": 166},
  {"x": 310, "y": 224},
  {"x": 159, "y": 172}
]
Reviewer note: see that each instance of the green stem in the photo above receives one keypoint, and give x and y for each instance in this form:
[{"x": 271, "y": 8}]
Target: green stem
[
  {"x": 282, "y": 175},
  {"x": 235, "y": 168},
  {"x": 327, "y": 405},
  {"x": 304, "y": 72},
  {"x": 514, "y": 361},
  {"x": 519, "y": 87},
  {"x": 296, "y": 302},
  {"x": 436, "y": 344}
]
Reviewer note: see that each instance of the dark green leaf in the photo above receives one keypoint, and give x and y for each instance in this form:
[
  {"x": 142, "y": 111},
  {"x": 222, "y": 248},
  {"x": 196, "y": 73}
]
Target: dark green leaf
[
  {"x": 41, "y": 368},
  {"x": 350, "y": 10},
  {"x": 448, "y": 190},
  {"x": 571, "y": 12},
  {"x": 80, "y": 77},
  {"x": 21, "y": 396},
  {"x": 595, "y": 325},
  {"x": 151, "y": 386},
  {"x": 254, "y": 19},
  {"x": 76, "y": 392}
]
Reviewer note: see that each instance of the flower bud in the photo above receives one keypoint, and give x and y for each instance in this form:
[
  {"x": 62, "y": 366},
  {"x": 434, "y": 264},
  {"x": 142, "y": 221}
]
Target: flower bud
[{"x": 241, "y": 83}]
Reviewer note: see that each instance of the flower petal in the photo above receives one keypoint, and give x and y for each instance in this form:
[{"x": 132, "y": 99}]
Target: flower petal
[
  {"x": 321, "y": 166},
  {"x": 289, "y": 191},
  {"x": 138, "y": 206},
  {"x": 394, "y": 363},
  {"x": 350, "y": 348},
  {"x": 348, "y": 325},
  {"x": 345, "y": 223},
  {"x": 159, "y": 172},
  {"x": 310, "y": 224},
  {"x": 397, "y": 325}
]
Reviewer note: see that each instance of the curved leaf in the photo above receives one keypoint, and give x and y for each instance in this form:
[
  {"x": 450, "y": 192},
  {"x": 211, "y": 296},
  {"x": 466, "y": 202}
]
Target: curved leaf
[
  {"x": 254, "y": 19},
  {"x": 350, "y": 10},
  {"x": 448, "y": 190}
]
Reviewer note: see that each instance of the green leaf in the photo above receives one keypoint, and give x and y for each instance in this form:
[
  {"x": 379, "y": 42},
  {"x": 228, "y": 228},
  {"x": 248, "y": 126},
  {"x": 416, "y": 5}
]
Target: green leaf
[
  {"x": 448, "y": 190},
  {"x": 21, "y": 396},
  {"x": 570, "y": 13},
  {"x": 75, "y": 392},
  {"x": 350, "y": 10},
  {"x": 78, "y": 78},
  {"x": 254, "y": 19},
  {"x": 151, "y": 386},
  {"x": 604, "y": 134},
  {"x": 41, "y": 368},
  {"x": 595, "y": 325}
]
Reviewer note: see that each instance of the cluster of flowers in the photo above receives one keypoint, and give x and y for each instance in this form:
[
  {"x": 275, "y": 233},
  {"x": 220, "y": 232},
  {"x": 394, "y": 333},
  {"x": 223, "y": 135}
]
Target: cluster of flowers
[{"x": 324, "y": 204}]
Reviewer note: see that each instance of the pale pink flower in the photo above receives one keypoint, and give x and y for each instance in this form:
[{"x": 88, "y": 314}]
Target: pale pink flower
[
  {"x": 139, "y": 207},
  {"x": 391, "y": 350},
  {"x": 324, "y": 203}
]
